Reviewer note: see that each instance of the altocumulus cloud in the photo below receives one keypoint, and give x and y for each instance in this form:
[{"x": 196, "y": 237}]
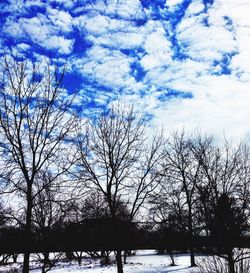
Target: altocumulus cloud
[{"x": 184, "y": 63}]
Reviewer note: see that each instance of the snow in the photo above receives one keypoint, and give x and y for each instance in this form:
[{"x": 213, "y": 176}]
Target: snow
[{"x": 145, "y": 261}]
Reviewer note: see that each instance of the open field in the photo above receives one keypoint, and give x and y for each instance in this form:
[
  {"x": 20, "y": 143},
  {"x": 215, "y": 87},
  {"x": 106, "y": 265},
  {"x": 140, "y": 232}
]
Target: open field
[{"x": 145, "y": 261}]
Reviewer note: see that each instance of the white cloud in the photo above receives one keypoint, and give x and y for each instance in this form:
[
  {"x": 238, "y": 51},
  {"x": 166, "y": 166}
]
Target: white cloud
[
  {"x": 171, "y": 4},
  {"x": 37, "y": 27},
  {"x": 195, "y": 7},
  {"x": 109, "y": 68},
  {"x": 237, "y": 10},
  {"x": 215, "y": 98},
  {"x": 66, "y": 3},
  {"x": 98, "y": 24},
  {"x": 205, "y": 42},
  {"x": 238, "y": 13},
  {"x": 118, "y": 40},
  {"x": 60, "y": 19},
  {"x": 116, "y": 33},
  {"x": 220, "y": 105},
  {"x": 124, "y": 9},
  {"x": 21, "y": 48},
  {"x": 64, "y": 46},
  {"x": 210, "y": 39},
  {"x": 158, "y": 50},
  {"x": 14, "y": 6},
  {"x": 40, "y": 30},
  {"x": 37, "y": 3}
]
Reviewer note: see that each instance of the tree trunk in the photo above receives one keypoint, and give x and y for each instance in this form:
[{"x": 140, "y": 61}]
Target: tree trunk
[
  {"x": 119, "y": 261},
  {"x": 14, "y": 257},
  {"x": 191, "y": 238},
  {"x": 69, "y": 255},
  {"x": 192, "y": 258},
  {"x": 79, "y": 260},
  {"x": 231, "y": 268},
  {"x": 171, "y": 255},
  {"x": 125, "y": 257},
  {"x": 28, "y": 231},
  {"x": 46, "y": 261}
]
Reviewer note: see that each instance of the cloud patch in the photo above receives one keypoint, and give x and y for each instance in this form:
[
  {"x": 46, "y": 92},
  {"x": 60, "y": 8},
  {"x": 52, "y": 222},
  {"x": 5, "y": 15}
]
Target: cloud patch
[
  {"x": 184, "y": 63},
  {"x": 46, "y": 31}
]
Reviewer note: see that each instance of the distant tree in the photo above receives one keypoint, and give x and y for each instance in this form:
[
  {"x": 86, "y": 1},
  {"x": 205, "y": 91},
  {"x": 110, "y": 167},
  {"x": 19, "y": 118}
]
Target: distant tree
[
  {"x": 5, "y": 215},
  {"x": 47, "y": 216},
  {"x": 224, "y": 170},
  {"x": 181, "y": 173},
  {"x": 5, "y": 224},
  {"x": 205, "y": 151},
  {"x": 35, "y": 122},
  {"x": 91, "y": 206},
  {"x": 94, "y": 206},
  {"x": 227, "y": 227},
  {"x": 168, "y": 214},
  {"x": 223, "y": 196}
]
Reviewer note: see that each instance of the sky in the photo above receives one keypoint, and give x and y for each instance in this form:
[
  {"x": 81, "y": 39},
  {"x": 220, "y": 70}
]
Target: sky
[{"x": 182, "y": 63}]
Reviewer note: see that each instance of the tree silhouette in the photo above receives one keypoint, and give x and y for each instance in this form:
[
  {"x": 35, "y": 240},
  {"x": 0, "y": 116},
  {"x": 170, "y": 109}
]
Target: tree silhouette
[
  {"x": 35, "y": 122},
  {"x": 227, "y": 227}
]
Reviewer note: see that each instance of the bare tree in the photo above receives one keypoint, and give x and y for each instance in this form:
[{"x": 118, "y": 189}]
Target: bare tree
[
  {"x": 224, "y": 196},
  {"x": 168, "y": 213},
  {"x": 34, "y": 123},
  {"x": 182, "y": 172},
  {"x": 119, "y": 162},
  {"x": 47, "y": 215},
  {"x": 89, "y": 206},
  {"x": 215, "y": 264},
  {"x": 5, "y": 224}
]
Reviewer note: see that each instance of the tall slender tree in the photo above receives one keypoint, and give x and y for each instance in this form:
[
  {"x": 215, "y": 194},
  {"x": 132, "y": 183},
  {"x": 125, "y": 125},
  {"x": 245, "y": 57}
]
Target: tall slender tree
[
  {"x": 182, "y": 171},
  {"x": 119, "y": 162},
  {"x": 35, "y": 121}
]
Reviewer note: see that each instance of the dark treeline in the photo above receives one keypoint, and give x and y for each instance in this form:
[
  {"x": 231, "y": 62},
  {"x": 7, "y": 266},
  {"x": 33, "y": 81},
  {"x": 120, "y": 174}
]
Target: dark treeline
[
  {"x": 94, "y": 235},
  {"x": 106, "y": 235},
  {"x": 71, "y": 183}
]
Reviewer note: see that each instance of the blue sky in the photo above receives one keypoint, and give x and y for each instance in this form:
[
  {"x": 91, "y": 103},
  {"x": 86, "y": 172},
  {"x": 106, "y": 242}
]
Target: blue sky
[{"x": 184, "y": 63}]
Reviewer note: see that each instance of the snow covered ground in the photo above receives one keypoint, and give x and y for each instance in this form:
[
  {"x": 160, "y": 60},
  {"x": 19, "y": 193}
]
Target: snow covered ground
[{"x": 146, "y": 261}]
